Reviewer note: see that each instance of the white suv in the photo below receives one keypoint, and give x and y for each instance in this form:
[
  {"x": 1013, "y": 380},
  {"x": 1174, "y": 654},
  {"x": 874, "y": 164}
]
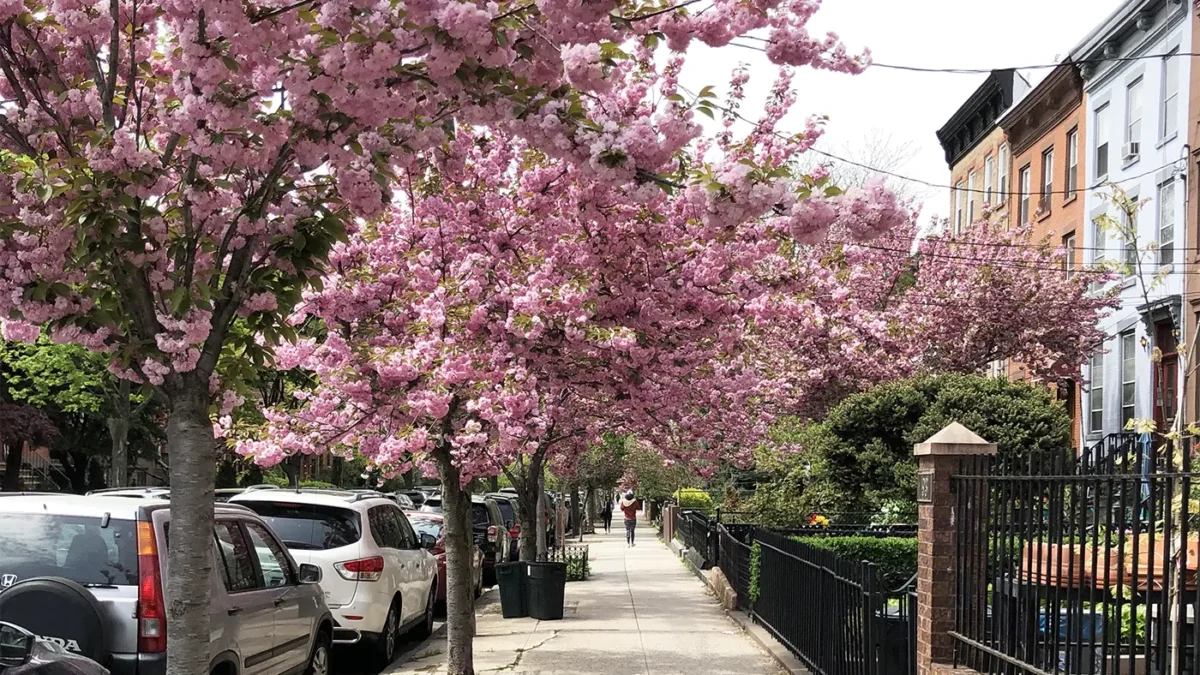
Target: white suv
[{"x": 379, "y": 581}]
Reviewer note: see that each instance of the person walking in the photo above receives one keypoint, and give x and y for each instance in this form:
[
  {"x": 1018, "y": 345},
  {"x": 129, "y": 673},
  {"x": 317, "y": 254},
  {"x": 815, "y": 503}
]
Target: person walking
[
  {"x": 630, "y": 507},
  {"x": 607, "y": 513}
]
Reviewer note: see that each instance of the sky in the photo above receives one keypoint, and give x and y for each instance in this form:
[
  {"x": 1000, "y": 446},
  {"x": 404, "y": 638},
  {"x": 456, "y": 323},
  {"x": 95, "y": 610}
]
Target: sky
[{"x": 905, "y": 109}]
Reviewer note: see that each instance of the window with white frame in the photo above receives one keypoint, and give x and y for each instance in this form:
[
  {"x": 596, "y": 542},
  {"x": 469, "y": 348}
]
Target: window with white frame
[
  {"x": 970, "y": 197},
  {"x": 958, "y": 207},
  {"x": 989, "y": 169},
  {"x": 1099, "y": 243},
  {"x": 1128, "y": 376},
  {"x": 1024, "y": 185},
  {"x": 1130, "y": 240},
  {"x": 1069, "y": 257},
  {"x": 1002, "y": 184},
  {"x": 1166, "y": 222},
  {"x": 1047, "y": 180},
  {"x": 1133, "y": 116},
  {"x": 1096, "y": 394},
  {"x": 1101, "y": 128},
  {"x": 1170, "y": 94},
  {"x": 1072, "y": 162}
]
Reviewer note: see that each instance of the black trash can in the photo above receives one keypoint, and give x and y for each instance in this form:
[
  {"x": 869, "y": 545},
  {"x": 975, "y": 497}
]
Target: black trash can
[
  {"x": 547, "y": 588},
  {"x": 513, "y": 594}
]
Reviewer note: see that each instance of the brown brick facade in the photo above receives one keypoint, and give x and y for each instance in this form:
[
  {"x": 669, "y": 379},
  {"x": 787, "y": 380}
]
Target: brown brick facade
[{"x": 1191, "y": 305}]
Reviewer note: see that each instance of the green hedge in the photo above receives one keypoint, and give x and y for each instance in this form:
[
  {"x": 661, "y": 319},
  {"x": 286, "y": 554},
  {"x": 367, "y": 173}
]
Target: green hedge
[
  {"x": 693, "y": 498},
  {"x": 896, "y": 557}
]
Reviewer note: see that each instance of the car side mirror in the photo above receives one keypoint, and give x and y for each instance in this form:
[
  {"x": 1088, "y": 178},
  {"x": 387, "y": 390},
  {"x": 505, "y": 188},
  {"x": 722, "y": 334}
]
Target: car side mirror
[
  {"x": 16, "y": 645},
  {"x": 310, "y": 574},
  {"x": 428, "y": 541}
]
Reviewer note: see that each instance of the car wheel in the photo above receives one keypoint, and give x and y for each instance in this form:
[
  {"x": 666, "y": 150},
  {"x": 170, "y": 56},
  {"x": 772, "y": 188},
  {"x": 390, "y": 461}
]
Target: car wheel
[
  {"x": 426, "y": 628},
  {"x": 318, "y": 662},
  {"x": 386, "y": 647}
]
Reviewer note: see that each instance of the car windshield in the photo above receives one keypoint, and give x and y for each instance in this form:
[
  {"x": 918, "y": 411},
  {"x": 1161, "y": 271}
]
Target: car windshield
[
  {"x": 71, "y": 547},
  {"x": 429, "y": 526},
  {"x": 506, "y": 510},
  {"x": 309, "y": 527},
  {"x": 432, "y": 505}
]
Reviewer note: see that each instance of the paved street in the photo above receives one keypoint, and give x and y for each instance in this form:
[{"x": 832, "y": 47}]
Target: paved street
[{"x": 642, "y": 612}]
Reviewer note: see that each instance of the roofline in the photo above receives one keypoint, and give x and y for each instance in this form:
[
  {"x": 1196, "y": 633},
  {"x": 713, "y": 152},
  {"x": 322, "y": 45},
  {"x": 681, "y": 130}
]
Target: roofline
[
  {"x": 964, "y": 111},
  {"x": 1112, "y": 22}
]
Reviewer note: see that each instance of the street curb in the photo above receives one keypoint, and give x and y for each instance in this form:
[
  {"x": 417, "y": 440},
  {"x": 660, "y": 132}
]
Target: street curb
[{"x": 782, "y": 657}]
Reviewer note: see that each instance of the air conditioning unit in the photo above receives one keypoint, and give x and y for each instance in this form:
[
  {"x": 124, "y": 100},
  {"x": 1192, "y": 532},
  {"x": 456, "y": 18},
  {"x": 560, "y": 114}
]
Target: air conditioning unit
[{"x": 1131, "y": 150}]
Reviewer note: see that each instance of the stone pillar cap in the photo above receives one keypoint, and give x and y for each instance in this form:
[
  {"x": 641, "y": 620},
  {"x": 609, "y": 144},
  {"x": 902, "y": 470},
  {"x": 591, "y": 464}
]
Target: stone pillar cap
[{"x": 954, "y": 440}]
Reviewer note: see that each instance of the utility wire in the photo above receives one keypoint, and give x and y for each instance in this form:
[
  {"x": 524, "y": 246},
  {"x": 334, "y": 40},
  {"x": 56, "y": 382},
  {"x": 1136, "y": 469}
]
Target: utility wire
[
  {"x": 983, "y": 71},
  {"x": 919, "y": 181}
]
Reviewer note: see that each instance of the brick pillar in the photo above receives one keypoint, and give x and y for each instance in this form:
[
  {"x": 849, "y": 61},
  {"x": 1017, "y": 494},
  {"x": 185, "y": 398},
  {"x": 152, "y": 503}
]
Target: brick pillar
[
  {"x": 669, "y": 522},
  {"x": 937, "y": 459}
]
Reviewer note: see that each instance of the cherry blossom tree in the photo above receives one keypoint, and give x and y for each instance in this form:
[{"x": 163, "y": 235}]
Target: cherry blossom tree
[{"x": 173, "y": 166}]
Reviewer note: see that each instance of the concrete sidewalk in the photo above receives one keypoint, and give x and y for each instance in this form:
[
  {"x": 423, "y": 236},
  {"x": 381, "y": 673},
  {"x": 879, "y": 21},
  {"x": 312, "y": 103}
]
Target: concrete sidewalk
[{"x": 642, "y": 612}]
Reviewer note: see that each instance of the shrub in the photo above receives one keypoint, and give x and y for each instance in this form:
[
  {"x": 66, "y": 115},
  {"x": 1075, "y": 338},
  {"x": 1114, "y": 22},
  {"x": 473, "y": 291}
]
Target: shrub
[
  {"x": 578, "y": 569},
  {"x": 693, "y": 498},
  {"x": 896, "y": 557},
  {"x": 755, "y": 570}
]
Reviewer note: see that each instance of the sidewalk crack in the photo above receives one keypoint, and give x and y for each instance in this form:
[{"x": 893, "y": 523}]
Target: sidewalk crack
[{"x": 521, "y": 655}]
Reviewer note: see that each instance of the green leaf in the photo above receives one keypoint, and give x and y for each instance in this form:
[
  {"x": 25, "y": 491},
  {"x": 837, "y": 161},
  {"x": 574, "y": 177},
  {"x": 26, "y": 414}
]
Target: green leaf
[{"x": 231, "y": 64}]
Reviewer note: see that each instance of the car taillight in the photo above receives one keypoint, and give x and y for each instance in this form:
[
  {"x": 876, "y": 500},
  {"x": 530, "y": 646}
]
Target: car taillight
[
  {"x": 152, "y": 609},
  {"x": 492, "y": 532},
  {"x": 363, "y": 569},
  {"x": 515, "y": 531}
]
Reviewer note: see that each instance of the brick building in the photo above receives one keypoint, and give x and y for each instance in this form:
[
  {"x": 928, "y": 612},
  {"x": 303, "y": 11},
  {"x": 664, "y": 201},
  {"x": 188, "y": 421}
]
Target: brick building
[
  {"x": 977, "y": 150},
  {"x": 1190, "y": 405},
  {"x": 1045, "y": 132}
]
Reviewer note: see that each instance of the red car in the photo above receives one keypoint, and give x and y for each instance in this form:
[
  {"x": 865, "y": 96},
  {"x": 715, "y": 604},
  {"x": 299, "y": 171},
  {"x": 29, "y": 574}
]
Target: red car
[{"x": 430, "y": 525}]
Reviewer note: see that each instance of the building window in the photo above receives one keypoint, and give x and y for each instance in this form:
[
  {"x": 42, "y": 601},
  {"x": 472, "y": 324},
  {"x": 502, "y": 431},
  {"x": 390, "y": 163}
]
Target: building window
[
  {"x": 1002, "y": 184},
  {"x": 958, "y": 207},
  {"x": 1101, "y": 127},
  {"x": 1069, "y": 257},
  {"x": 1130, "y": 243},
  {"x": 1023, "y": 196},
  {"x": 1128, "y": 376},
  {"x": 1166, "y": 222},
  {"x": 970, "y": 197},
  {"x": 1047, "y": 180},
  {"x": 1099, "y": 243},
  {"x": 989, "y": 168},
  {"x": 1133, "y": 117},
  {"x": 1096, "y": 394},
  {"x": 1170, "y": 94},
  {"x": 1072, "y": 163}
]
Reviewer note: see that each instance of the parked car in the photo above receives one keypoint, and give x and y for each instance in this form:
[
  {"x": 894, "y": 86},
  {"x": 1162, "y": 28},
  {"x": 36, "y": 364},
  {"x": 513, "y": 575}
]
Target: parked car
[
  {"x": 508, "y": 508},
  {"x": 491, "y": 536},
  {"x": 89, "y": 574},
  {"x": 23, "y": 653},
  {"x": 135, "y": 492},
  {"x": 402, "y": 501},
  {"x": 225, "y": 494},
  {"x": 378, "y": 580},
  {"x": 430, "y": 527},
  {"x": 432, "y": 505},
  {"x": 416, "y": 496}
]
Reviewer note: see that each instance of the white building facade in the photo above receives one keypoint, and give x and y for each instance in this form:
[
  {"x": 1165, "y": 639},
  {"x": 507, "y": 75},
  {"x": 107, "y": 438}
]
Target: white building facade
[{"x": 1136, "y": 98}]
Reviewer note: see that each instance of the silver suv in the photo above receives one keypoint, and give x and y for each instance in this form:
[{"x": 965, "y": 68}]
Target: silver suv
[{"x": 88, "y": 573}]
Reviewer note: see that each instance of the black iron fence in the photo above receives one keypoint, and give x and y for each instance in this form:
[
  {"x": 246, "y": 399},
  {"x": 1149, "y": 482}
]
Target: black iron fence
[
  {"x": 834, "y": 614},
  {"x": 698, "y": 533},
  {"x": 734, "y": 558},
  {"x": 1080, "y": 564}
]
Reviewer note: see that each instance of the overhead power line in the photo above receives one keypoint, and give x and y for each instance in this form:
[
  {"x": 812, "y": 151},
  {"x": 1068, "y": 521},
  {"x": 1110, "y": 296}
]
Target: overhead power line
[
  {"x": 983, "y": 71},
  {"x": 919, "y": 181}
]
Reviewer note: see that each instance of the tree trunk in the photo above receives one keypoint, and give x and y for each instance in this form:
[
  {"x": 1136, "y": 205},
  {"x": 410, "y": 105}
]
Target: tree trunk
[
  {"x": 459, "y": 541},
  {"x": 576, "y": 514},
  {"x": 13, "y": 453},
  {"x": 193, "y": 473},
  {"x": 118, "y": 431},
  {"x": 494, "y": 484},
  {"x": 410, "y": 479},
  {"x": 542, "y": 552},
  {"x": 527, "y": 514},
  {"x": 589, "y": 504},
  {"x": 291, "y": 466}
]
